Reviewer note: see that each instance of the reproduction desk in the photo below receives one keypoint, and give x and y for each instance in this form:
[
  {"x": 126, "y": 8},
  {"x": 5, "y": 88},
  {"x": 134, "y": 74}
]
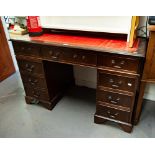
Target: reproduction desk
[{"x": 46, "y": 67}]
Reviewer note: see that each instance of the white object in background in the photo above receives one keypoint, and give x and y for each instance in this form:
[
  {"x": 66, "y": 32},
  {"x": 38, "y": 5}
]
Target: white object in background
[{"x": 111, "y": 24}]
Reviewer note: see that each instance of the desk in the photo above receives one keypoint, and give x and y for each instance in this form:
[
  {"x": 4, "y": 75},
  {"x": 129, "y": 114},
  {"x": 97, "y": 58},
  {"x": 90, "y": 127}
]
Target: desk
[{"x": 46, "y": 67}]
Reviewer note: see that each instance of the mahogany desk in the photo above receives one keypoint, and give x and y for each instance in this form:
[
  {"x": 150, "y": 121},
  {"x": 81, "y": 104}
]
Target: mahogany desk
[{"x": 46, "y": 67}]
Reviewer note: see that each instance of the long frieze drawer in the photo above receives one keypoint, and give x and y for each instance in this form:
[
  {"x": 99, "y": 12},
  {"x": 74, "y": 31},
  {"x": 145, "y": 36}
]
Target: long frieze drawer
[
  {"x": 27, "y": 49},
  {"x": 112, "y": 113},
  {"x": 117, "y": 99},
  {"x": 69, "y": 55},
  {"x": 30, "y": 67},
  {"x": 117, "y": 62},
  {"x": 37, "y": 93},
  {"x": 116, "y": 81},
  {"x": 34, "y": 81}
]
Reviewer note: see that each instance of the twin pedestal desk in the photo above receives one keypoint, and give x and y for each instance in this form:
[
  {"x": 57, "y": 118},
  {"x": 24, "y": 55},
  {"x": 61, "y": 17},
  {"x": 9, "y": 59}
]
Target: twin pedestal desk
[{"x": 46, "y": 68}]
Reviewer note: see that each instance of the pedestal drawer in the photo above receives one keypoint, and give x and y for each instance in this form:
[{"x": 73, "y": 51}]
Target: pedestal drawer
[
  {"x": 37, "y": 93},
  {"x": 112, "y": 113},
  {"x": 118, "y": 62},
  {"x": 117, "y": 99},
  {"x": 117, "y": 81},
  {"x": 34, "y": 81},
  {"x": 30, "y": 67}
]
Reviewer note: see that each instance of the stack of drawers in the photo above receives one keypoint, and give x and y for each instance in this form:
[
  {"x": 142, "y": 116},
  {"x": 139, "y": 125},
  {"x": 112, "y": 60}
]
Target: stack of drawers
[
  {"x": 117, "y": 85},
  {"x": 32, "y": 73}
]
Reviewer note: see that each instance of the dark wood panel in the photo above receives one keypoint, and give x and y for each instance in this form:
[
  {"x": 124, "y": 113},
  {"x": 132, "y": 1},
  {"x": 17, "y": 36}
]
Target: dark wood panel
[{"x": 6, "y": 63}]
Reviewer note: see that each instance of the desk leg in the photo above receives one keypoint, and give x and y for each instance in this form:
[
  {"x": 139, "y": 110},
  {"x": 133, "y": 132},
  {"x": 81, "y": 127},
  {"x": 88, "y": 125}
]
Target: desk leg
[{"x": 140, "y": 102}]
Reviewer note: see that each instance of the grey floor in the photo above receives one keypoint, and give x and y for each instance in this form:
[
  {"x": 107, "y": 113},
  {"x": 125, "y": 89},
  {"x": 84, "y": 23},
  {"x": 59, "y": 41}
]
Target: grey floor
[{"x": 72, "y": 116}]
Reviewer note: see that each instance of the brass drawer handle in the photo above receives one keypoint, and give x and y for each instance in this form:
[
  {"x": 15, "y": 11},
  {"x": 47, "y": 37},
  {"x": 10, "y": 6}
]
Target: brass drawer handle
[
  {"x": 22, "y": 48},
  {"x": 112, "y": 100},
  {"x": 75, "y": 56},
  {"x": 83, "y": 57},
  {"x": 33, "y": 82},
  {"x": 119, "y": 67},
  {"x": 29, "y": 67},
  {"x": 50, "y": 53},
  {"x": 112, "y": 115},
  {"x": 29, "y": 48},
  {"x": 116, "y": 85},
  {"x": 35, "y": 94}
]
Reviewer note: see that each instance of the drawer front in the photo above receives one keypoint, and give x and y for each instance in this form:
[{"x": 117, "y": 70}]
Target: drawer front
[
  {"x": 113, "y": 113},
  {"x": 30, "y": 67},
  {"x": 69, "y": 55},
  {"x": 36, "y": 93},
  {"x": 88, "y": 59},
  {"x": 116, "y": 62},
  {"x": 33, "y": 81},
  {"x": 26, "y": 49},
  {"x": 117, "y": 82},
  {"x": 51, "y": 53},
  {"x": 115, "y": 98}
]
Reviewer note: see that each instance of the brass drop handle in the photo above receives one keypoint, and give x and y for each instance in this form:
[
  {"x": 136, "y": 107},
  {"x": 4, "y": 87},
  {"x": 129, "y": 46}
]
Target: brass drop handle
[
  {"x": 83, "y": 57},
  {"x": 50, "y": 53},
  {"x": 75, "y": 56},
  {"x": 22, "y": 48},
  {"x": 56, "y": 55},
  {"x": 29, "y": 48},
  {"x": 33, "y": 82},
  {"x": 112, "y": 100},
  {"x": 112, "y": 115},
  {"x": 29, "y": 67},
  {"x": 35, "y": 94},
  {"x": 117, "y": 85}
]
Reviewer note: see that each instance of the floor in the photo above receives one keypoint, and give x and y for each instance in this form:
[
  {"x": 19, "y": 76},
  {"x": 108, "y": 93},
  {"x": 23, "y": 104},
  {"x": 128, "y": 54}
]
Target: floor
[{"x": 72, "y": 116}]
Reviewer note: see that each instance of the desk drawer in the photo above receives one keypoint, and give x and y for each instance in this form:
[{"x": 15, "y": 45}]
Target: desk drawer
[
  {"x": 117, "y": 62},
  {"x": 27, "y": 49},
  {"x": 116, "y": 81},
  {"x": 33, "y": 81},
  {"x": 69, "y": 55},
  {"x": 37, "y": 93},
  {"x": 112, "y": 113},
  {"x": 30, "y": 67},
  {"x": 51, "y": 52},
  {"x": 116, "y": 99}
]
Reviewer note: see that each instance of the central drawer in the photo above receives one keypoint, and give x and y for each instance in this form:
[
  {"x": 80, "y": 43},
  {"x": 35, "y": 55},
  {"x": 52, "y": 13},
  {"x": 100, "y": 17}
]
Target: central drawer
[
  {"x": 117, "y": 81},
  {"x": 69, "y": 55}
]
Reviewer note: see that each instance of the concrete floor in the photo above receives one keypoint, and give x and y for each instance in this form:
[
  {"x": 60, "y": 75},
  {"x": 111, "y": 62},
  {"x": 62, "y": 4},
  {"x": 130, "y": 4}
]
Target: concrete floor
[{"x": 72, "y": 116}]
